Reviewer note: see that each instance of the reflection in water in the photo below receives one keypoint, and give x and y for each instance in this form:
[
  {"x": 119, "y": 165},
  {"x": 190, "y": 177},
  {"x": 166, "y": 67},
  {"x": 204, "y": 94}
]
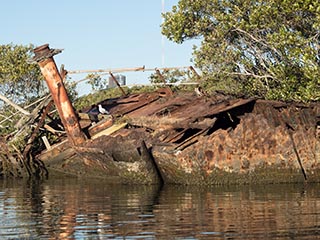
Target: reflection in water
[{"x": 75, "y": 209}]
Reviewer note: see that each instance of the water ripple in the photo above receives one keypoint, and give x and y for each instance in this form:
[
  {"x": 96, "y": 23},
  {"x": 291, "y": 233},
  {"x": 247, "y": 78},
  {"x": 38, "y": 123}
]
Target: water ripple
[{"x": 73, "y": 209}]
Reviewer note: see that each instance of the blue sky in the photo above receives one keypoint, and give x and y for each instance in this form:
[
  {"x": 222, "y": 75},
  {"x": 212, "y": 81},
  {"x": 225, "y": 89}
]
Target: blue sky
[{"x": 96, "y": 34}]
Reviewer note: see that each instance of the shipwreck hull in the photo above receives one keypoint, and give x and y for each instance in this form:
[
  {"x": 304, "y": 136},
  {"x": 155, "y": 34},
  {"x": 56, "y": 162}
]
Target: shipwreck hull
[
  {"x": 185, "y": 139},
  {"x": 108, "y": 158},
  {"x": 259, "y": 142},
  {"x": 181, "y": 138}
]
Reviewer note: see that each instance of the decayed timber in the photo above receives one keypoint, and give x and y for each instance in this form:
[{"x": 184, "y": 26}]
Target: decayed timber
[{"x": 184, "y": 138}]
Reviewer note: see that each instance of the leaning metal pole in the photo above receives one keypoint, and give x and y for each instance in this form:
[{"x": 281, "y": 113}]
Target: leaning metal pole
[{"x": 44, "y": 57}]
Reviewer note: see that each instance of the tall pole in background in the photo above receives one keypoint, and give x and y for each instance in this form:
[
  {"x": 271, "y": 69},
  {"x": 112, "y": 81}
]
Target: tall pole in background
[{"x": 162, "y": 37}]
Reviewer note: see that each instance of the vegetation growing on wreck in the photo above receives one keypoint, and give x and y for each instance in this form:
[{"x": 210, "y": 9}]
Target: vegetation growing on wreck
[
  {"x": 267, "y": 49},
  {"x": 102, "y": 94},
  {"x": 23, "y": 131}
]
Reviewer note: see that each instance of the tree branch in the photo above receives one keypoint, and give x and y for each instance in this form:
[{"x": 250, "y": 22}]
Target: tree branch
[
  {"x": 256, "y": 40},
  {"x": 20, "y": 109},
  {"x": 248, "y": 74}
]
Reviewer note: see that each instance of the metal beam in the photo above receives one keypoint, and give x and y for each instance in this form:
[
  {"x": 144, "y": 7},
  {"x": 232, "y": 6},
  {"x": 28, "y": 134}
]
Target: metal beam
[{"x": 44, "y": 57}]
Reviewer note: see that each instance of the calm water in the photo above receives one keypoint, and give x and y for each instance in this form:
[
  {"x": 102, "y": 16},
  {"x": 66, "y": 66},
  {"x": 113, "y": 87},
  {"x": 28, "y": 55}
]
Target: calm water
[{"x": 72, "y": 209}]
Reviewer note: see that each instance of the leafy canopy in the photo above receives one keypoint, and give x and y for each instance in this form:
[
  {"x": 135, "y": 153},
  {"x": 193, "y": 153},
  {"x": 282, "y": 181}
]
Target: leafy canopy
[
  {"x": 257, "y": 47},
  {"x": 19, "y": 80}
]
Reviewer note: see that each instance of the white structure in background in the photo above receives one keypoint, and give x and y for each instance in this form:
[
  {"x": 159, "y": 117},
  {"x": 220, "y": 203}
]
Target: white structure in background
[{"x": 120, "y": 78}]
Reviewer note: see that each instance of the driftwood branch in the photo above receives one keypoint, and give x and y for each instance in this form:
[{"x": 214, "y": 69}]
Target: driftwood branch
[
  {"x": 25, "y": 122},
  {"x": 20, "y": 109}
]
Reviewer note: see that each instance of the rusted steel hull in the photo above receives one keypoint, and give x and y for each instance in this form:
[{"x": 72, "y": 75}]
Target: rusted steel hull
[
  {"x": 185, "y": 139},
  {"x": 271, "y": 143}
]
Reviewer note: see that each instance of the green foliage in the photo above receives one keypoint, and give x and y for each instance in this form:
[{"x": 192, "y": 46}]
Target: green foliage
[
  {"x": 168, "y": 76},
  {"x": 96, "y": 82},
  {"x": 141, "y": 89},
  {"x": 19, "y": 80},
  {"x": 263, "y": 48},
  {"x": 98, "y": 96},
  {"x": 71, "y": 89}
]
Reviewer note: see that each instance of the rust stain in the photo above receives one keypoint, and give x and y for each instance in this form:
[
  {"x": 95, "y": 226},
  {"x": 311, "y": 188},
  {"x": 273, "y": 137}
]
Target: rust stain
[{"x": 44, "y": 56}]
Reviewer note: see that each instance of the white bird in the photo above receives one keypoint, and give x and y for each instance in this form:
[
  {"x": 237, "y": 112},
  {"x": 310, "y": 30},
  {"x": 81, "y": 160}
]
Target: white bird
[
  {"x": 199, "y": 91},
  {"x": 102, "y": 110}
]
